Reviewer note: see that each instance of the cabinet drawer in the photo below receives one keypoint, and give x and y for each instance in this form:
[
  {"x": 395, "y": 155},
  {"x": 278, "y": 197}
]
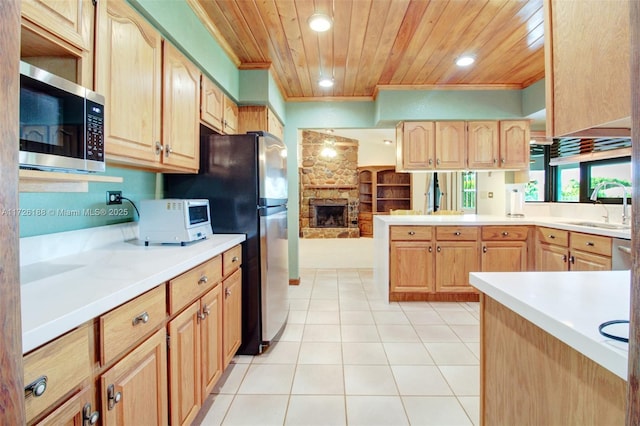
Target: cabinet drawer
[
  {"x": 65, "y": 363},
  {"x": 553, "y": 236},
  {"x": 590, "y": 243},
  {"x": 409, "y": 233},
  {"x": 231, "y": 260},
  {"x": 457, "y": 233},
  {"x": 122, "y": 327},
  {"x": 505, "y": 233},
  {"x": 189, "y": 286}
]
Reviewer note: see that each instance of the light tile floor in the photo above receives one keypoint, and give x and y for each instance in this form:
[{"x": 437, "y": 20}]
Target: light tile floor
[{"x": 347, "y": 358}]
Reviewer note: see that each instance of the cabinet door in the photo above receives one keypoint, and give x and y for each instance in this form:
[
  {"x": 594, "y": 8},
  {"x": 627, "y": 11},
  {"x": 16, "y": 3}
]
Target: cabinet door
[
  {"x": 551, "y": 258},
  {"x": 184, "y": 365},
  {"x": 483, "y": 144},
  {"x": 275, "y": 126},
  {"x": 581, "y": 261},
  {"x": 454, "y": 261},
  {"x": 211, "y": 104},
  {"x": 71, "y": 20},
  {"x": 411, "y": 268},
  {"x": 514, "y": 144},
  {"x": 451, "y": 145},
  {"x": 134, "y": 391},
  {"x": 232, "y": 313},
  {"x": 76, "y": 411},
  {"x": 230, "y": 120},
  {"x": 418, "y": 145},
  {"x": 587, "y": 72},
  {"x": 128, "y": 74},
  {"x": 211, "y": 339},
  {"x": 180, "y": 112},
  {"x": 498, "y": 256}
]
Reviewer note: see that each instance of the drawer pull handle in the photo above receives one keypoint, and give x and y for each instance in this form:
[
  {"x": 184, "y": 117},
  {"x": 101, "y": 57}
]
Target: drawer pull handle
[
  {"x": 484, "y": 249},
  {"x": 457, "y": 233},
  {"x": 505, "y": 234},
  {"x": 553, "y": 237},
  {"x": 572, "y": 259},
  {"x": 234, "y": 259},
  {"x": 430, "y": 249},
  {"x": 564, "y": 258},
  {"x": 142, "y": 318},
  {"x": 438, "y": 249},
  {"x": 227, "y": 292},
  {"x": 203, "y": 280},
  {"x": 411, "y": 232},
  {"x": 590, "y": 244},
  {"x": 36, "y": 388},
  {"x": 113, "y": 397},
  {"x": 89, "y": 418}
]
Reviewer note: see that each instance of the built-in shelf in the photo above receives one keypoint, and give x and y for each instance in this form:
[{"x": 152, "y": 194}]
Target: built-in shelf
[{"x": 40, "y": 181}]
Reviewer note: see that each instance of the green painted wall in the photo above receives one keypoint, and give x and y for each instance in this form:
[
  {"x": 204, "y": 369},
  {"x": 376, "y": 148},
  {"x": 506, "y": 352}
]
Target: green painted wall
[
  {"x": 533, "y": 98},
  {"x": 46, "y": 213}
]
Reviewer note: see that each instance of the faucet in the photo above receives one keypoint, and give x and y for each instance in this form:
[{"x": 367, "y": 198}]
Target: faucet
[{"x": 594, "y": 197}]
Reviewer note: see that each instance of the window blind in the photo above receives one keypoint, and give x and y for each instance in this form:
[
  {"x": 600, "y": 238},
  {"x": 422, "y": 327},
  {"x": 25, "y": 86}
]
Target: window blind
[{"x": 576, "y": 150}]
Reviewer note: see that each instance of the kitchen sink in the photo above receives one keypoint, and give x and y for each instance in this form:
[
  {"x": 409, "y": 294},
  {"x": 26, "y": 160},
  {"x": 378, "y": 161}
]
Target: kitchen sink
[{"x": 600, "y": 225}]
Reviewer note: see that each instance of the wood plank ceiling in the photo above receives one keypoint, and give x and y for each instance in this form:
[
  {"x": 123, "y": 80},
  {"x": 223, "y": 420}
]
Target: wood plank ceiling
[{"x": 382, "y": 44}]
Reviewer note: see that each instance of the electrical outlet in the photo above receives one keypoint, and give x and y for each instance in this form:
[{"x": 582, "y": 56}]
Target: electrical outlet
[{"x": 114, "y": 197}]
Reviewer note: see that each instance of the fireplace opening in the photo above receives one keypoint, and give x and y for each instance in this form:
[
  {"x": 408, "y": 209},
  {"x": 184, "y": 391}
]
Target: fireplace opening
[{"x": 328, "y": 213}]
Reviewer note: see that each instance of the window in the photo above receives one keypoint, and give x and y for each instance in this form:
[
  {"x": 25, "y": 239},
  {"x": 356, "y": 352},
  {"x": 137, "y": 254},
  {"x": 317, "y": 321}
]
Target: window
[
  {"x": 469, "y": 192},
  {"x": 568, "y": 183},
  {"x": 613, "y": 171},
  {"x": 535, "y": 190}
]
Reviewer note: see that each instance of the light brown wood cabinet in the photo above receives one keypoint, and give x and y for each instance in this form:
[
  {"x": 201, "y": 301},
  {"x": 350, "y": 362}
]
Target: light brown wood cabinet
[
  {"x": 504, "y": 249},
  {"x": 54, "y": 371},
  {"x": 251, "y": 118},
  {"x": 230, "y": 118},
  {"x": 412, "y": 265},
  {"x": 456, "y": 256},
  {"x": 232, "y": 316},
  {"x": 587, "y": 71},
  {"x": 58, "y": 36},
  {"x": 462, "y": 145},
  {"x": 559, "y": 250},
  {"x": 134, "y": 390},
  {"x": 152, "y": 94},
  {"x": 75, "y": 411},
  {"x": 180, "y": 111},
  {"x": 211, "y": 104},
  {"x": 129, "y": 75},
  {"x": 498, "y": 145}
]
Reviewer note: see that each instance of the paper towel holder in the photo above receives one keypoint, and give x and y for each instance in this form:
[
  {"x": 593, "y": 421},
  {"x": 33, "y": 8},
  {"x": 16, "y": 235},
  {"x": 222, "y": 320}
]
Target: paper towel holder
[{"x": 516, "y": 204}]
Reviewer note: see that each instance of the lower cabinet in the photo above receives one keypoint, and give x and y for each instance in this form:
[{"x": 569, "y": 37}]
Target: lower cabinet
[
  {"x": 232, "y": 316},
  {"x": 134, "y": 390},
  {"x": 559, "y": 250},
  {"x": 456, "y": 257},
  {"x": 504, "y": 249},
  {"x": 195, "y": 356},
  {"x": 150, "y": 361}
]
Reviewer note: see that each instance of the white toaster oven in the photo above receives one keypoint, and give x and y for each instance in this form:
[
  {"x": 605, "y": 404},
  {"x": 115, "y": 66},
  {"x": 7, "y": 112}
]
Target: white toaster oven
[{"x": 174, "y": 221}]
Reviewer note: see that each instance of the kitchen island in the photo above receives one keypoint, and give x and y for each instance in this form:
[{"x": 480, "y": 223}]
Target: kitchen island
[
  {"x": 521, "y": 244},
  {"x": 542, "y": 359}
]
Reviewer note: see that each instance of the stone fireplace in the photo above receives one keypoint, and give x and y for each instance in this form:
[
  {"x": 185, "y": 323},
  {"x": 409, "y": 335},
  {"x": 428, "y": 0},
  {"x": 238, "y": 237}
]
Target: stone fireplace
[{"x": 328, "y": 187}]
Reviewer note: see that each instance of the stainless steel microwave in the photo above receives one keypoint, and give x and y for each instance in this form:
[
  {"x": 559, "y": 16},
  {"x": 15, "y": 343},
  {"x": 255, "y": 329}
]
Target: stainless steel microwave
[{"x": 61, "y": 123}]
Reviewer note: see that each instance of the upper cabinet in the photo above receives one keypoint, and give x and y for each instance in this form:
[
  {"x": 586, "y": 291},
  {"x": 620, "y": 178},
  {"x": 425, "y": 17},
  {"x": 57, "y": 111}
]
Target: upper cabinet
[
  {"x": 462, "y": 145},
  {"x": 180, "y": 111},
  {"x": 587, "y": 66},
  {"x": 58, "y": 36},
  {"x": 252, "y": 118},
  {"x": 128, "y": 74},
  {"x": 152, "y": 97},
  {"x": 230, "y": 119},
  {"x": 211, "y": 104}
]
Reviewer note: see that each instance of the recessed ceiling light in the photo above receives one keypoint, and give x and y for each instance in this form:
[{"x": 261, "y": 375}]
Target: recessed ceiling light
[
  {"x": 325, "y": 82},
  {"x": 319, "y": 22},
  {"x": 465, "y": 61},
  {"x": 388, "y": 142}
]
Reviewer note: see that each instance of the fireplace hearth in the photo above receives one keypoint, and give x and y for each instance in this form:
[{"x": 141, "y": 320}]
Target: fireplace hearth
[{"x": 328, "y": 212}]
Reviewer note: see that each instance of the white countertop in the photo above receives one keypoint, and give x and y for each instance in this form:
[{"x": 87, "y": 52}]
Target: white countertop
[
  {"x": 381, "y": 224},
  {"x": 472, "y": 219},
  {"x": 570, "y": 306},
  {"x": 62, "y": 293}
]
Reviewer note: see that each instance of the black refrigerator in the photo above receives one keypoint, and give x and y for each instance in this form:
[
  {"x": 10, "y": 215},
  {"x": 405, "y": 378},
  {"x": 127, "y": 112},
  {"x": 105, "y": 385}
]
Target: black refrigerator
[{"x": 245, "y": 179}]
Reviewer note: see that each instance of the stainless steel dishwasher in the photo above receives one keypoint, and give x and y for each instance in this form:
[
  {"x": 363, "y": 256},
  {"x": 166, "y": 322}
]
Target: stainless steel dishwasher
[{"x": 621, "y": 254}]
